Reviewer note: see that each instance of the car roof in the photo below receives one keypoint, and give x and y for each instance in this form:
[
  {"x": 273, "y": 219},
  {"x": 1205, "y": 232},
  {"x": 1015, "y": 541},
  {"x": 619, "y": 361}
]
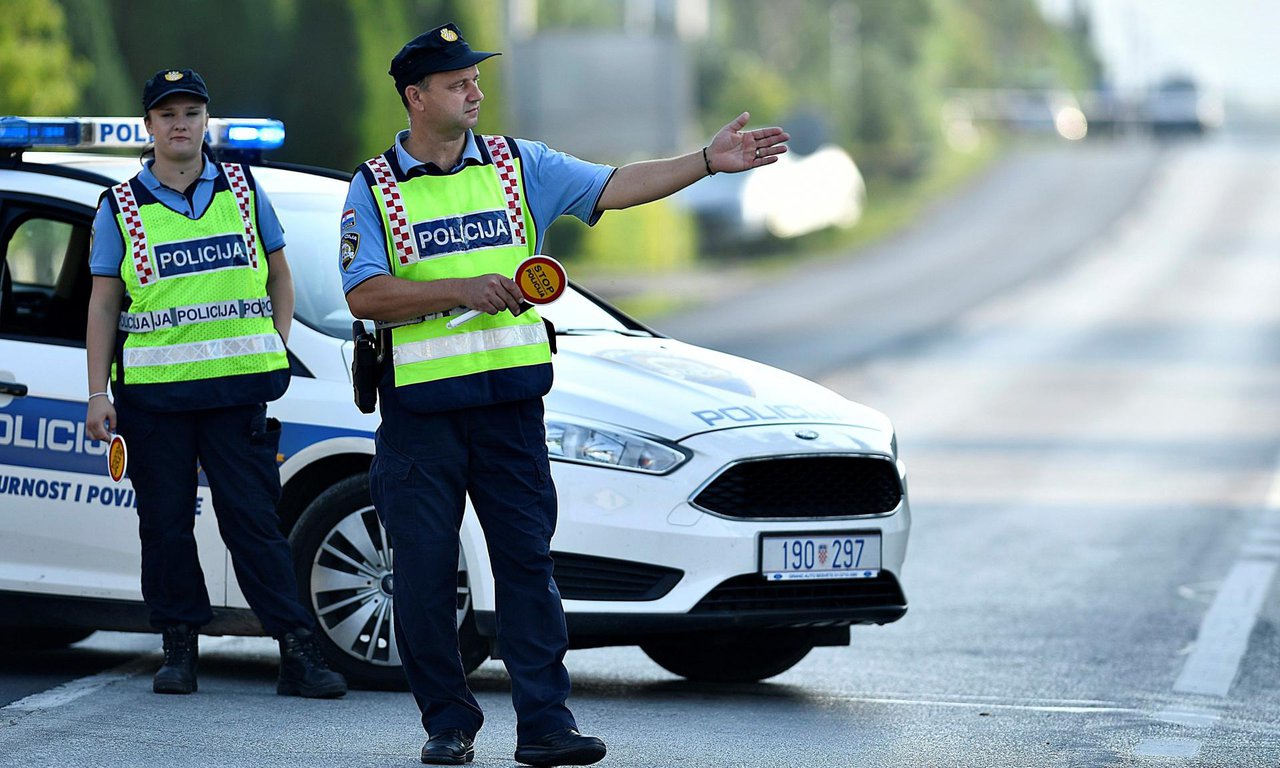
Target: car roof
[
  {"x": 118, "y": 167},
  {"x": 282, "y": 179}
]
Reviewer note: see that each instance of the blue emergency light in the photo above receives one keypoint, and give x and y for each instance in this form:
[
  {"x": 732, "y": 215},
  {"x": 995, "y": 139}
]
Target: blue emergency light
[
  {"x": 38, "y": 132},
  {"x": 253, "y": 134},
  {"x": 247, "y": 134}
]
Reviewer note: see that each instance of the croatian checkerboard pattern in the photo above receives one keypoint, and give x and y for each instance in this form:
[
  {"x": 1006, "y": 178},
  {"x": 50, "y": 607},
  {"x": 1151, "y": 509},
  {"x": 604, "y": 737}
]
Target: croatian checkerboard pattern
[
  {"x": 240, "y": 188},
  {"x": 500, "y": 151},
  {"x": 141, "y": 252},
  {"x": 401, "y": 236}
]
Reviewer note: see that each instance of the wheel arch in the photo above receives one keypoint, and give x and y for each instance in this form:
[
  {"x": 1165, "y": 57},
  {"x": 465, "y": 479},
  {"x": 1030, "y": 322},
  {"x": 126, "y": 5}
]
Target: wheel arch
[{"x": 311, "y": 471}]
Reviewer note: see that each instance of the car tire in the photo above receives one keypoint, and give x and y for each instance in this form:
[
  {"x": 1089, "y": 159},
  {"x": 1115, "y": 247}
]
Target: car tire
[
  {"x": 343, "y": 558},
  {"x": 40, "y": 638},
  {"x": 746, "y": 657}
]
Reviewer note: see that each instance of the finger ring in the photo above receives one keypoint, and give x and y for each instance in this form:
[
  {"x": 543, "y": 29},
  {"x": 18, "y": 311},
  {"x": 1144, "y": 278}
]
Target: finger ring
[{"x": 757, "y": 154}]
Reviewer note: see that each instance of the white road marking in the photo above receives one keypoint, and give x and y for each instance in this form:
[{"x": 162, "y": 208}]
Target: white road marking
[
  {"x": 1167, "y": 747},
  {"x": 66, "y": 693},
  {"x": 69, "y": 692},
  {"x": 1071, "y": 707},
  {"x": 1187, "y": 717},
  {"x": 1214, "y": 661},
  {"x": 1224, "y": 634}
]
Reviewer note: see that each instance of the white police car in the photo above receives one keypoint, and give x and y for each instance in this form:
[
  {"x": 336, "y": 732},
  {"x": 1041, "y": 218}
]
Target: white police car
[{"x": 723, "y": 515}]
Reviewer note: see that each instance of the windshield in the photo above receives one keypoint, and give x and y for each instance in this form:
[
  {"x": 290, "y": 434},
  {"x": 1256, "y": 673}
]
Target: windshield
[{"x": 311, "y": 230}]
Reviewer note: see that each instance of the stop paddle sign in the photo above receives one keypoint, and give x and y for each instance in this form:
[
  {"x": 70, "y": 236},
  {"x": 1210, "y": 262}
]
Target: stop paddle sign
[{"x": 541, "y": 280}]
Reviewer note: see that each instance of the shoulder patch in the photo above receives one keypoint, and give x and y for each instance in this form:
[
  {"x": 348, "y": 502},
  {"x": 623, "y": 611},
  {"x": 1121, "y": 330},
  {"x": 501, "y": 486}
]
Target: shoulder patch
[
  {"x": 348, "y": 249},
  {"x": 349, "y": 218}
]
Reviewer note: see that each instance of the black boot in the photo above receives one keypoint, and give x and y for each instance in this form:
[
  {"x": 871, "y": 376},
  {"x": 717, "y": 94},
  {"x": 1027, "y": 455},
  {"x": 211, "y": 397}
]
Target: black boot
[
  {"x": 181, "y": 652},
  {"x": 303, "y": 671}
]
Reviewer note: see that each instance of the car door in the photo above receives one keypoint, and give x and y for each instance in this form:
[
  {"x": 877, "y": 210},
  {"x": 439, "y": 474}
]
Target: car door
[{"x": 65, "y": 527}]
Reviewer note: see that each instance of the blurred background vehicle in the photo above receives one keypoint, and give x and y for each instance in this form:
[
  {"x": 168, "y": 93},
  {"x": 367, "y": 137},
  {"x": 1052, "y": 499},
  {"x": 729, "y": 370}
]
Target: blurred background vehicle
[
  {"x": 1178, "y": 106},
  {"x": 798, "y": 195}
]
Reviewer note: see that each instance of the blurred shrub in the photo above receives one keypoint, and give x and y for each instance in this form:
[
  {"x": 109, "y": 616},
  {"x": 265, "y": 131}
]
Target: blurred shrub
[
  {"x": 39, "y": 75},
  {"x": 657, "y": 236}
]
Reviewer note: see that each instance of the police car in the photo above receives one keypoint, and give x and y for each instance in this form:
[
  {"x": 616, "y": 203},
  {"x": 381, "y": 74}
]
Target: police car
[{"x": 723, "y": 515}]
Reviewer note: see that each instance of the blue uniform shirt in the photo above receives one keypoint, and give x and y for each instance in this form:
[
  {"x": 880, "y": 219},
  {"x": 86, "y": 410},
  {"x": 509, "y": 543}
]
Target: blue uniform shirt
[
  {"x": 108, "y": 252},
  {"x": 555, "y": 184}
]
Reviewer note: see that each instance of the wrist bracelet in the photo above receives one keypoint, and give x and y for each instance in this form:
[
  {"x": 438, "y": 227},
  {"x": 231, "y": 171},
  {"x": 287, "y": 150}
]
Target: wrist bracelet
[
  {"x": 707, "y": 162},
  {"x": 99, "y": 394}
]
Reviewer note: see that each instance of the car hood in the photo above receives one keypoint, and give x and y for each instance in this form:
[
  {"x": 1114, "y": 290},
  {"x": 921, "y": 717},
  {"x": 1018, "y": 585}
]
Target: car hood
[{"x": 674, "y": 390}]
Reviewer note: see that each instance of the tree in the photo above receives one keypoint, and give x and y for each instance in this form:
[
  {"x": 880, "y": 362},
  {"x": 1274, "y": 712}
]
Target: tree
[{"x": 41, "y": 74}]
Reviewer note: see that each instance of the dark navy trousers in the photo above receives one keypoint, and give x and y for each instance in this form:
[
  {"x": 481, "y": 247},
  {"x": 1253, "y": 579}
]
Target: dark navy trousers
[
  {"x": 236, "y": 446},
  {"x": 425, "y": 466}
]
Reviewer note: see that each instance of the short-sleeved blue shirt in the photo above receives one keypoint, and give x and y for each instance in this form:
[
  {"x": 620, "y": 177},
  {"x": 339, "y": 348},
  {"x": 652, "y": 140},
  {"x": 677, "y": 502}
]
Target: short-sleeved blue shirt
[
  {"x": 108, "y": 252},
  {"x": 555, "y": 184}
]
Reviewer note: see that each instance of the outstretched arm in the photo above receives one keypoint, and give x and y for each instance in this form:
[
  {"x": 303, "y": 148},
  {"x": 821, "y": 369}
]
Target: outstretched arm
[{"x": 732, "y": 150}]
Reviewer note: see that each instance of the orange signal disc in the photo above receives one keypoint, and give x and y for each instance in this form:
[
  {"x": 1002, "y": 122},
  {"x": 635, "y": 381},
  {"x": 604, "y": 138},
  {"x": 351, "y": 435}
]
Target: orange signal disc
[
  {"x": 541, "y": 279},
  {"x": 117, "y": 458}
]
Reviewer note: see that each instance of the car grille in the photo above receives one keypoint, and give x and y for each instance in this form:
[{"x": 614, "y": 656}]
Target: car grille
[
  {"x": 583, "y": 577},
  {"x": 752, "y": 594},
  {"x": 804, "y": 486}
]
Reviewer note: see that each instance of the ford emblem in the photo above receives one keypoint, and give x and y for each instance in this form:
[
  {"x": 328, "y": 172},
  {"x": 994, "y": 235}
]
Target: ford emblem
[{"x": 807, "y": 434}]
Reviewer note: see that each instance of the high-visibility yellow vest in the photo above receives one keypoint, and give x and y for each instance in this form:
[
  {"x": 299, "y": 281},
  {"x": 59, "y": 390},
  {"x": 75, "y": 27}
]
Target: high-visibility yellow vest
[
  {"x": 472, "y": 222},
  {"x": 198, "y": 330}
]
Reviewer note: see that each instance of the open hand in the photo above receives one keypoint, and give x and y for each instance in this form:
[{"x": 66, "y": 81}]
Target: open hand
[{"x": 734, "y": 150}]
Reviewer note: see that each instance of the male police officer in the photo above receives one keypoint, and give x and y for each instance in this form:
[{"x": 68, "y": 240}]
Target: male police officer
[
  {"x": 198, "y": 253},
  {"x": 435, "y": 225}
]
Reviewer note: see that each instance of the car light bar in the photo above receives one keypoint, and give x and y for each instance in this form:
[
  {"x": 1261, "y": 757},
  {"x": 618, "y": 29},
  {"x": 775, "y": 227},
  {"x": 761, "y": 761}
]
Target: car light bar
[{"x": 131, "y": 133}]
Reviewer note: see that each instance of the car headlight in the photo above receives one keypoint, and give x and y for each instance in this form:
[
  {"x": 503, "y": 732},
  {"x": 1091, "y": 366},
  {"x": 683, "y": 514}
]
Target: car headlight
[{"x": 567, "y": 441}]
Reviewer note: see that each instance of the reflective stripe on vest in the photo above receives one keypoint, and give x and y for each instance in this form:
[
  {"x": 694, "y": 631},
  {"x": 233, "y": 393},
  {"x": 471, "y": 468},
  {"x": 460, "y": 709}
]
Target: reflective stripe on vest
[
  {"x": 213, "y": 349},
  {"x": 472, "y": 342},
  {"x": 471, "y": 222},
  {"x": 146, "y": 322}
]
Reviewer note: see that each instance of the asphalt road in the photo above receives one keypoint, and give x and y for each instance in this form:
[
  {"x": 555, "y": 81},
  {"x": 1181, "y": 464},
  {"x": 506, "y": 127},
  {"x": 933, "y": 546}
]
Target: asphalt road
[{"x": 1081, "y": 357}]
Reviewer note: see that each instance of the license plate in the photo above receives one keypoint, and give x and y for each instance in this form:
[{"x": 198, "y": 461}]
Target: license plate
[{"x": 820, "y": 556}]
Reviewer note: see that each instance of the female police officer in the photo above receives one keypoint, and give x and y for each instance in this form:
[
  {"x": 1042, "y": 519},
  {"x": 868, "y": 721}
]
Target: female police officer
[{"x": 192, "y": 251}]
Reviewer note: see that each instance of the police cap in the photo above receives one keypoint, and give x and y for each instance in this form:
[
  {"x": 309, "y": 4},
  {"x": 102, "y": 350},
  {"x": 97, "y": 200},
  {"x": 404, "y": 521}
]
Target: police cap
[
  {"x": 439, "y": 50},
  {"x": 167, "y": 82}
]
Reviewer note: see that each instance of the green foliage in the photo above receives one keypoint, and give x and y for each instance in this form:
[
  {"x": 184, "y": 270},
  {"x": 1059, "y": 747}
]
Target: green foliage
[
  {"x": 1008, "y": 44},
  {"x": 657, "y": 236},
  {"x": 481, "y": 23},
  {"x": 738, "y": 81},
  {"x": 108, "y": 90},
  {"x": 42, "y": 76},
  {"x": 874, "y": 73},
  {"x": 379, "y": 30}
]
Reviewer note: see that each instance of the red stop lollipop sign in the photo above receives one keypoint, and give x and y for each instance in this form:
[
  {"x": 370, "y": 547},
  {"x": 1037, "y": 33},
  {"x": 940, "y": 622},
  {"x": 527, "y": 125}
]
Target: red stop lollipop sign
[
  {"x": 541, "y": 280},
  {"x": 117, "y": 458}
]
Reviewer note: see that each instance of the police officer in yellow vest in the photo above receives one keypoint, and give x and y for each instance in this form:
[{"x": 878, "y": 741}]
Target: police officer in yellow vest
[
  {"x": 192, "y": 252},
  {"x": 433, "y": 226}
]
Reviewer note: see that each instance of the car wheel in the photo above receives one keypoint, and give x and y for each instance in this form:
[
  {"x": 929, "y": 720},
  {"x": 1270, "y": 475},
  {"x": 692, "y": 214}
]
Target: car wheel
[
  {"x": 745, "y": 657},
  {"x": 343, "y": 560},
  {"x": 40, "y": 638}
]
